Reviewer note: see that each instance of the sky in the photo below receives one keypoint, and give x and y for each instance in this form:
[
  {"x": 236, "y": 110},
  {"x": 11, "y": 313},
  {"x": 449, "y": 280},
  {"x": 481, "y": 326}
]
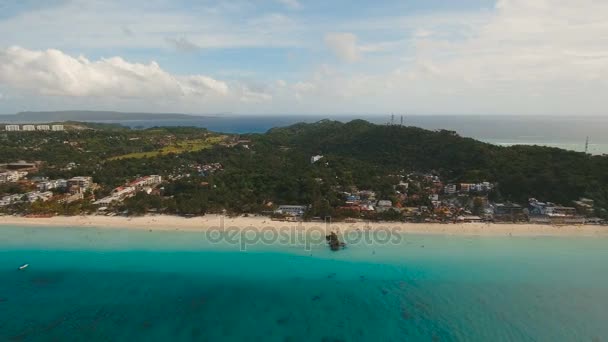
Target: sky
[{"x": 481, "y": 57}]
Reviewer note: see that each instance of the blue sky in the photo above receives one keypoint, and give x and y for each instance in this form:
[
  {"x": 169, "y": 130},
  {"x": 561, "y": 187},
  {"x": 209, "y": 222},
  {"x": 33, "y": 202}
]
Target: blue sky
[{"x": 293, "y": 56}]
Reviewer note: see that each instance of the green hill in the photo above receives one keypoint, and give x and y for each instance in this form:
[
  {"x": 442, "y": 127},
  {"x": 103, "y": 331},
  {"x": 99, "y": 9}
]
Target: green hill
[{"x": 522, "y": 171}]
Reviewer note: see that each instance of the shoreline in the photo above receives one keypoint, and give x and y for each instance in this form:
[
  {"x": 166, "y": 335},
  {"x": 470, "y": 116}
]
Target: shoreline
[{"x": 207, "y": 222}]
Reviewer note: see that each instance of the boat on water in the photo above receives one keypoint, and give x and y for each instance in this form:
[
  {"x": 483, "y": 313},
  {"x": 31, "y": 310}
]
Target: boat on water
[{"x": 22, "y": 267}]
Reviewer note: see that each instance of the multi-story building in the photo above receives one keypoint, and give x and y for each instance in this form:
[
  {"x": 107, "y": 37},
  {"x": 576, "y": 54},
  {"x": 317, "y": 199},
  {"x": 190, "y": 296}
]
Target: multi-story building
[
  {"x": 151, "y": 180},
  {"x": 467, "y": 187},
  {"x": 28, "y": 128},
  {"x": 11, "y": 128},
  {"x": 57, "y": 128},
  {"x": 83, "y": 182},
  {"x": 43, "y": 128},
  {"x": 37, "y": 195},
  {"x": 12, "y": 176},
  {"x": 51, "y": 184},
  {"x": 450, "y": 189},
  {"x": 118, "y": 195},
  {"x": 291, "y": 210}
]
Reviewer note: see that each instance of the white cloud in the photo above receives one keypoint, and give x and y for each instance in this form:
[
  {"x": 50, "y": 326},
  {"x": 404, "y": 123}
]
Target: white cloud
[
  {"x": 525, "y": 57},
  {"x": 292, "y": 4},
  {"x": 113, "y": 24},
  {"x": 52, "y": 72},
  {"x": 520, "y": 56},
  {"x": 343, "y": 45}
]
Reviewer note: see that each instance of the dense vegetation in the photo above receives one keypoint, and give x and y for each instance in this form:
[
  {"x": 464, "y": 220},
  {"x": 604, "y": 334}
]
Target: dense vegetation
[
  {"x": 521, "y": 171},
  {"x": 275, "y": 168}
]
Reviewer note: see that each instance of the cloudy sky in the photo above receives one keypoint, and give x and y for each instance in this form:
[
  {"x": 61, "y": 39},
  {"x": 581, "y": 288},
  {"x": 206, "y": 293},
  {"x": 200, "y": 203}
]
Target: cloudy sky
[{"x": 533, "y": 57}]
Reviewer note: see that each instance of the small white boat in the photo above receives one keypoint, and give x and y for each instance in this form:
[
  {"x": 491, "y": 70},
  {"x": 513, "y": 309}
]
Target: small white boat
[{"x": 24, "y": 267}]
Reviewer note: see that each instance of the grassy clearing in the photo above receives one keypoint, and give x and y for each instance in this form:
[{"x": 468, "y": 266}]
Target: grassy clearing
[{"x": 177, "y": 148}]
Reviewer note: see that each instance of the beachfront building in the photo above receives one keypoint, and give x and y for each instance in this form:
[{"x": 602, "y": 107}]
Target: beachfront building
[
  {"x": 57, "y": 128},
  {"x": 10, "y": 199},
  {"x": 291, "y": 210},
  {"x": 585, "y": 206},
  {"x": 11, "y": 128},
  {"x": 27, "y": 197},
  {"x": 28, "y": 128},
  {"x": 509, "y": 212},
  {"x": 69, "y": 198},
  {"x": 43, "y": 128},
  {"x": 118, "y": 195},
  {"x": 37, "y": 195}
]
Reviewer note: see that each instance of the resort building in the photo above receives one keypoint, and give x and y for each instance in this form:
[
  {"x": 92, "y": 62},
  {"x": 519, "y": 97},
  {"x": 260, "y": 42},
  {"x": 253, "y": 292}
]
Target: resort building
[
  {"x": 291, "y": 210},
  {"x": 83, "y": 182},
  {"x": 585, "y": 206},
  {"x": 57, "y": 128},
  {"x": 152, "y": 180},
  {"x": 51, "y": 184},
  {"x": 118, "y": 195},
  {"x": 28, "y": 128},
  {"x": 12, "y": 176},
  {"x": 37, "y": 195},
  {"x": 11, "y": 128},
  {"x": 69, "y": 198},
  {"x": 509, "y": 212},
  {"x": 43, "y": 128}
]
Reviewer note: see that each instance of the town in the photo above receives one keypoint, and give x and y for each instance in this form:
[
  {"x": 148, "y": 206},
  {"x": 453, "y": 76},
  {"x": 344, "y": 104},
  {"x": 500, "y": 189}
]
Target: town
[
  {"x": 417, "y": 197},
  {"x": 359, "y": 172},
  {"x": 31, "y": 128}
]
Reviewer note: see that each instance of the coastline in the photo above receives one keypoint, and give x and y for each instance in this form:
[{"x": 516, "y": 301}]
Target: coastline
[{"x": 207, "y": 222}]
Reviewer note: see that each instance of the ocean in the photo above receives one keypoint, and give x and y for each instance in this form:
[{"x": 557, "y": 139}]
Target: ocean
[
  {"x": 555, "y": 131},
  {"x": 87, "y": 284}
]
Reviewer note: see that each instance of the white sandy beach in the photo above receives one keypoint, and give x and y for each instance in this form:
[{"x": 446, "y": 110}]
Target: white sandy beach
[{"x": 175, "y": 223}]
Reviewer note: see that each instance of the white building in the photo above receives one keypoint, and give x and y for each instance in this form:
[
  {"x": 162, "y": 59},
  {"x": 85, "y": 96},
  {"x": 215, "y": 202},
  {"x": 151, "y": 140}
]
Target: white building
[
  {"x": 83, "y": 182},
  {"x": 43, "y": 127},
  {"x": 51, "y": 184},
  {"x": 28, "y": 128},
  {"x": 292, "y": 210},
  {"x": 37, "y": 195},
  {"x": 385, "y": 203},
  {"x": 151, "y": 180},
  {"x": 11, "y": 128},
  {"x": 10, "y": 199},
  {"x": 315, "y": 159},
  {"x": 118, "y": 195},
  {"x": 12, "y": 176},
  {"x": 57, "y": 128}
]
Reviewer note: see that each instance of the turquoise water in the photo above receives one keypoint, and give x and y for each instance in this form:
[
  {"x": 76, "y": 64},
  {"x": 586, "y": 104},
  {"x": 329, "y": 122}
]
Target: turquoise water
[{"x": 120, "y": 285}]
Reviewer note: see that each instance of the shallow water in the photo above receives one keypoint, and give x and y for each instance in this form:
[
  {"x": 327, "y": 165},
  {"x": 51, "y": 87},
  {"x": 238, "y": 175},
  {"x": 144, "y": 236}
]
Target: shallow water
[{"x": 91, "y": 284}]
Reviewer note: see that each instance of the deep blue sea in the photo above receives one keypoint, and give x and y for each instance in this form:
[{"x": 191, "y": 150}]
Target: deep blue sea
[
  {"x": 87, "y": 284},
  {"x": 556, "y": 131}
]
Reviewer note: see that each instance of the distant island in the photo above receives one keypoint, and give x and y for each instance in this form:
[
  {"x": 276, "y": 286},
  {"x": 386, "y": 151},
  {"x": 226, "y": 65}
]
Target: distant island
[
  {"x": 85, "y": 115},
  {"x": 309, "y": 171}
]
